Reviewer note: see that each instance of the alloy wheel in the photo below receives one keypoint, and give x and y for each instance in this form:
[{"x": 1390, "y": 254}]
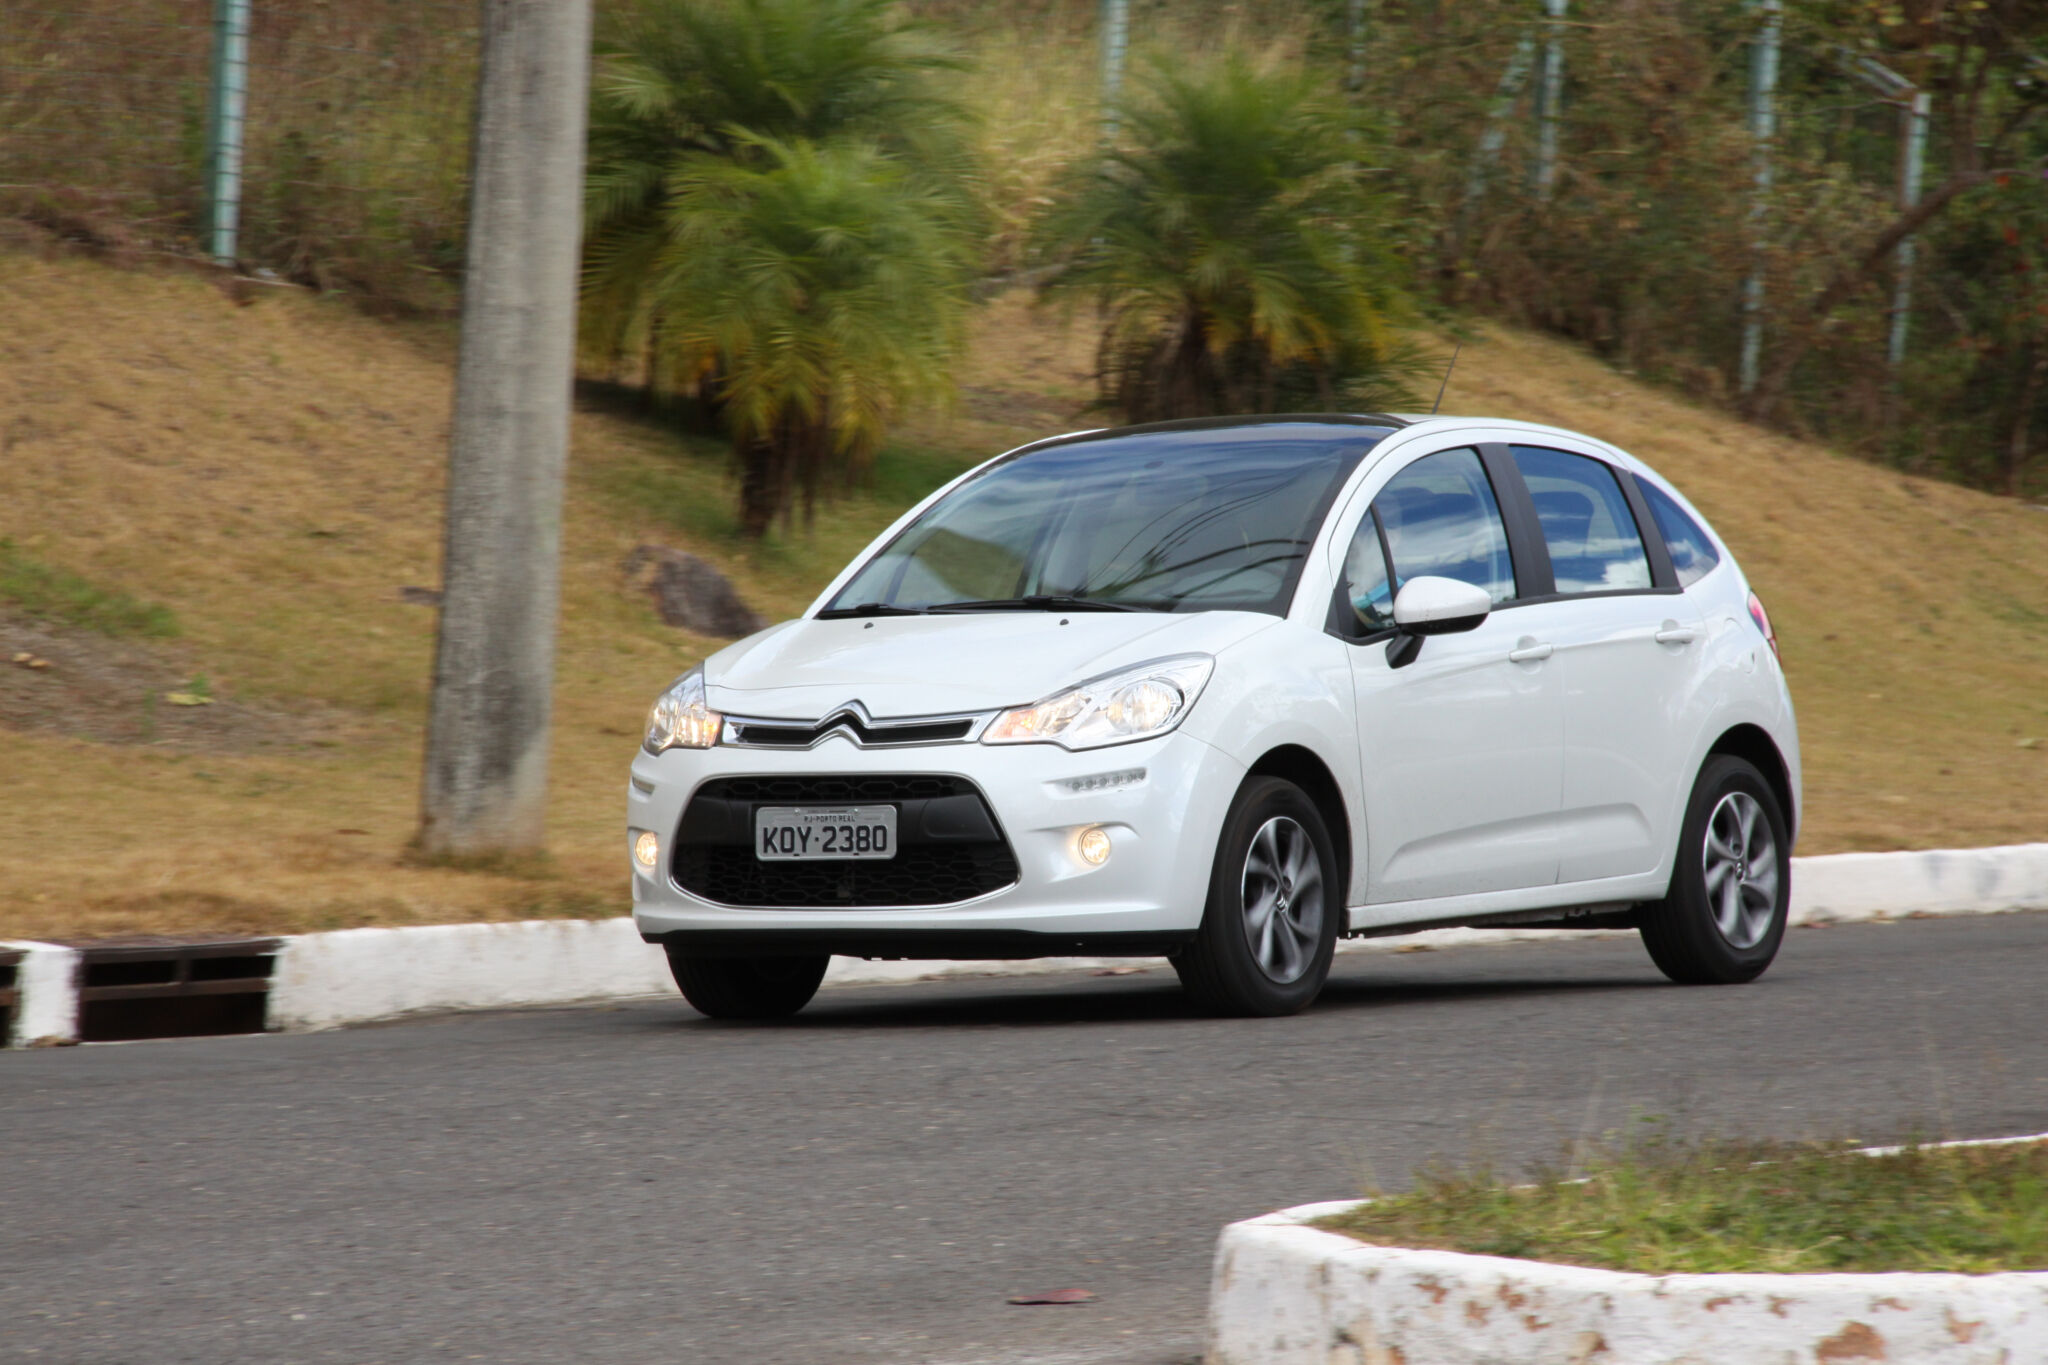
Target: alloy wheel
[
  {"x": 1283, "y": 899},
  {"x": 1740, "y": 862}
]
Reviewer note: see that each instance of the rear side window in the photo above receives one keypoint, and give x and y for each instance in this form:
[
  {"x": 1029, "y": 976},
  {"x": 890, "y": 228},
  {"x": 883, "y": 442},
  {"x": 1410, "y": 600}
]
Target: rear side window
[
  {"x": 1442, "y": 520},
  {"x": 1587, "y": 527},
  {"x": 1692, "y": 553}
]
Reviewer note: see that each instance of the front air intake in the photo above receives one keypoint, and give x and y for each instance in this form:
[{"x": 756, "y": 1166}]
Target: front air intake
[{"x": 949, "y": 847}]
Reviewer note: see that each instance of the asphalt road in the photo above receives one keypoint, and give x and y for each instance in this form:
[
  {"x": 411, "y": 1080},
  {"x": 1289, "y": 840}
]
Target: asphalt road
[{"x": 869, "y": 1182}]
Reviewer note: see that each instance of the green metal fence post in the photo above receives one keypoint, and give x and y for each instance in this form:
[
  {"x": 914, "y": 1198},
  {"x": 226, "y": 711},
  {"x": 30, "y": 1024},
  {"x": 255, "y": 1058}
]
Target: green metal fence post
[
  {"x": 1549, "y": 96},
  {"x": 1763, "y": 130},
  {"x": 1504, "y": 96},
  {"x": 1354, "y": 31},
  {"x": 1115, "y": 39},
  {"x": 1912, "y": 156},
  {"x": 227, "y": 102}
]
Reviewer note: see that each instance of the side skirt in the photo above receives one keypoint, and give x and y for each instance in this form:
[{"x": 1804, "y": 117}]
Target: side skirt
[
  {"x": 916, "y": 945},
  {"x": 1603, "y": 915}
]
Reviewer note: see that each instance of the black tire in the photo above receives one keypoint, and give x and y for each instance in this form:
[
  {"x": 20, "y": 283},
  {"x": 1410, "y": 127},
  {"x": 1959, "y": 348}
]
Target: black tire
[
  {"x": 1697, "y": 935},
  {"x": 748, "y": 987},
  {"x": 1224, "y": 969}
]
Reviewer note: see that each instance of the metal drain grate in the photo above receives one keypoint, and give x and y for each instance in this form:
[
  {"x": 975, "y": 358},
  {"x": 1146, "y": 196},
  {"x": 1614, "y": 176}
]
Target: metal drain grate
[{"x": 165, "y": 988}]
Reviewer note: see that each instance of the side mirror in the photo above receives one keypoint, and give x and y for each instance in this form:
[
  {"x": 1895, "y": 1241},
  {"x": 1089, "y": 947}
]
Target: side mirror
[
  {"x": 1440, "y": 606},
  {"x": 1434, "y": 606}
]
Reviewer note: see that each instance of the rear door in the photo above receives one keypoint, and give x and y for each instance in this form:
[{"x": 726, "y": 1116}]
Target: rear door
[
  {"x": 1628, "y": 645},
  {"x": 1461, "y": 750}
]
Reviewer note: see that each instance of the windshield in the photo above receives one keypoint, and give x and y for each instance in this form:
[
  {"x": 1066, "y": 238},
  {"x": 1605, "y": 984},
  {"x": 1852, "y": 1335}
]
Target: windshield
[{"x": 1188, "y": 520}]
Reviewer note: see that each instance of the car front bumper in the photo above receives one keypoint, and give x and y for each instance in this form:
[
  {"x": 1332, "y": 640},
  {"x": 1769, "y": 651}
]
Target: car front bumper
[{"x": 1146, "y": 898}]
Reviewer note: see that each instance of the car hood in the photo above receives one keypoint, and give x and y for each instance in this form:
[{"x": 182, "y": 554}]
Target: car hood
[{"x": 936, "y": 665}]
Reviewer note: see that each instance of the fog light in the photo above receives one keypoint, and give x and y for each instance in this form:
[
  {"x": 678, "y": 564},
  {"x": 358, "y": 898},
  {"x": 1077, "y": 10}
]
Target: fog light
[
  {"x": 647, "y": 850},
  {"x": 1093, "y": 845}
]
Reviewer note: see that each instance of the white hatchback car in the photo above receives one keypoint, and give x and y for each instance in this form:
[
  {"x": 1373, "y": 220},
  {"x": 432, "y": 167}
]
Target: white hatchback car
[{"x": 1225, "y": 690}]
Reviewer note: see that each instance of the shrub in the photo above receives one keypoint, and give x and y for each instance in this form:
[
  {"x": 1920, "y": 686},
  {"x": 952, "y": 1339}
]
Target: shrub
[{"x": 1231, "y": 243}]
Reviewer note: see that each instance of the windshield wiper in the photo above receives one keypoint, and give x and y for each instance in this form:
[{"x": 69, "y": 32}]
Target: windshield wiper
[
  {"x": 869, "y": 609},
  {"x": 1037, "y": 602}
]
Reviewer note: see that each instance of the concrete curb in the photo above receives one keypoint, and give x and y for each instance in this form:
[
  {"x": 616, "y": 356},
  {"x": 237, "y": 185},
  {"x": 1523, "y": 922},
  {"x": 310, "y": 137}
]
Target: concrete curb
[
  {"x": 1282, "y": 1293},
  {"x": 358, "y": 975},
  {"x": 351, "y": 975},
  {"x": 47, "y": 981}
]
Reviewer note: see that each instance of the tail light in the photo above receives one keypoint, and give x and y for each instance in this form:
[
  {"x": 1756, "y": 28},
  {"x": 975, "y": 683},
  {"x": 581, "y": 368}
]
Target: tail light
[{"x": 1763, "y": 623}]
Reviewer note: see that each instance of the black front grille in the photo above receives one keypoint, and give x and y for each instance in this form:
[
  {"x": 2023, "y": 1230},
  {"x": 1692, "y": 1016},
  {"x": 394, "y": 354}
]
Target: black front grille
[
  {"x": 949, "y": 847},
  {"x": 872, "y": 735}
]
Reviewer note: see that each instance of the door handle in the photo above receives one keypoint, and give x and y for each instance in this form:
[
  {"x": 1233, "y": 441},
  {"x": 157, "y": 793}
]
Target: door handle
[
  {"x": 1671, "y": 633},
  {"x": 1527, "y": 651}
]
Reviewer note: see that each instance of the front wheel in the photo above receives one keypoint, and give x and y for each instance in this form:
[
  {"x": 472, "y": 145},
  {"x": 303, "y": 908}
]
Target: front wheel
[
  {"x": 1270, "y": 926},
  {"x": 748, "y": 987},
  {"x": 1724, "y": 916}
]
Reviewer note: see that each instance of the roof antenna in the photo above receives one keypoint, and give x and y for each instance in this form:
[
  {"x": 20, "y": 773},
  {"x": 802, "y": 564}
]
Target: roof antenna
[{"x": 1447, "y": 379}]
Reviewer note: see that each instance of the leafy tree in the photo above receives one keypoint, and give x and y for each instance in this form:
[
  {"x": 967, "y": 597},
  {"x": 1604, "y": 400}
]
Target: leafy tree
[
  {"x": 1233, "y": 248},
  {"x": 680, "y": 81},
  {"x": 825, "y": 287},
  {"x": 1980, "y": 66},
  {"x": 1985, "y": 384}
]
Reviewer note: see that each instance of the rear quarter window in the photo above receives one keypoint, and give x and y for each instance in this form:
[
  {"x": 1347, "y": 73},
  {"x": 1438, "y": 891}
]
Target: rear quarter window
[{"x": 1693, "y": 555}]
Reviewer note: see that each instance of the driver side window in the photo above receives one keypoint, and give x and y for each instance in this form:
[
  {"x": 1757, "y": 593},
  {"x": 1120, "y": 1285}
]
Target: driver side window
[{"x": 1440, "y": 519}]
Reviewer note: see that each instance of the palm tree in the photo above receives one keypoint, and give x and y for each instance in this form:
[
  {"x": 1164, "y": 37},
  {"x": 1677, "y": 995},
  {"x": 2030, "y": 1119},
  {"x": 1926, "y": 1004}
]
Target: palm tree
[
  {"x": 678, "y": 81},
  {"x": 1233, "y": 249},
  {"x": 825, "y": 288}
]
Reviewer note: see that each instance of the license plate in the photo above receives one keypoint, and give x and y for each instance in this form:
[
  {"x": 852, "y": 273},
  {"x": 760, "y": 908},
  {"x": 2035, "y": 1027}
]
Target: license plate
[{"x": 800, "y": 833}]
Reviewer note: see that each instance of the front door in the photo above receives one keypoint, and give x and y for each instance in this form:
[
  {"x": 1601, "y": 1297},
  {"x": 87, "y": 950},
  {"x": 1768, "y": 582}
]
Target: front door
[{"x": 1461, "y": 749}]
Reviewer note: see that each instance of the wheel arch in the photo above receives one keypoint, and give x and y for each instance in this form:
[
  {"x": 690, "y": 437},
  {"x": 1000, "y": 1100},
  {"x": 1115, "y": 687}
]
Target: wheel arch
[
  {"x": 1754, "y": 745},
  {"x": 1306, "y": 770}
]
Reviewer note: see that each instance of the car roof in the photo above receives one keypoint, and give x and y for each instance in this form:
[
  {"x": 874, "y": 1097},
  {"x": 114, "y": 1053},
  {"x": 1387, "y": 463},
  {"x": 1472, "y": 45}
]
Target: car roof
[
  {"x": 1407, "y": 423},
  {"x": 1249, "y": 420}
]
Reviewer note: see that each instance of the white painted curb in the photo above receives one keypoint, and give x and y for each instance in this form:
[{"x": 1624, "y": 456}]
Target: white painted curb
[
  {"x": 351, "y": 975},
  {"x": 357, "y": 975},
  {"x": 1949, "y": 881},
  {"x": 46, "y": 1001},
  {"x": 1282, "y": 1293}
]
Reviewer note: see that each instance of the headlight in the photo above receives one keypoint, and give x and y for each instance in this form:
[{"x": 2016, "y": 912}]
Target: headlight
[
  {"x": 1133, "y": 703},
  {"x": 680, "y": 719}
]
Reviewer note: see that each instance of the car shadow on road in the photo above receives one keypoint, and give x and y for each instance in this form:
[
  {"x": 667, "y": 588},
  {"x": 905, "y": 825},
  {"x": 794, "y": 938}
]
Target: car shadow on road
[{"x": 1154, "y": 997}]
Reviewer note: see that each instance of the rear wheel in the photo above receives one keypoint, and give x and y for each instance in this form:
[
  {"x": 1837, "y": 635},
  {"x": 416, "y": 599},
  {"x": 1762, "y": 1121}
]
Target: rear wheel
[
  {"x": 1270, "y": 925},
  {"x": 748, "y": 987},
  {"x": 1724, "y": 916}
]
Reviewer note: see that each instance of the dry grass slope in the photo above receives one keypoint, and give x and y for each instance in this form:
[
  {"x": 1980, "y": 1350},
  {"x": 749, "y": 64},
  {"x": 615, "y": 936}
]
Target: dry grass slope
[{"x": 269, "y": 469}]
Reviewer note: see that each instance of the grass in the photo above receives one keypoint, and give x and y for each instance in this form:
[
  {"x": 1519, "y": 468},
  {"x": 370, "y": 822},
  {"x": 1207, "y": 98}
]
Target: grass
[
  {"x": 1665, "y": 1207},
  {"x": 269, "y": 471},
  {"x": 49, "y": 593}
]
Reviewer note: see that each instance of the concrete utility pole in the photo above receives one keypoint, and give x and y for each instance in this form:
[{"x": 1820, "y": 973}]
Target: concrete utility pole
[
  {"x": 484, "y": 790},
  {"x": 1763, "y": 132}
]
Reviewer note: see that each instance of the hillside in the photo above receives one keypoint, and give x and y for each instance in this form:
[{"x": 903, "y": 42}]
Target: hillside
[{"x": 268, "y": 469}]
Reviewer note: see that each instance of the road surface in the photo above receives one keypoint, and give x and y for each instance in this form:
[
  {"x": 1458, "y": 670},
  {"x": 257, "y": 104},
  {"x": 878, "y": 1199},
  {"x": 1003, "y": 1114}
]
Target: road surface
[{"x": 870, "y": 1182}]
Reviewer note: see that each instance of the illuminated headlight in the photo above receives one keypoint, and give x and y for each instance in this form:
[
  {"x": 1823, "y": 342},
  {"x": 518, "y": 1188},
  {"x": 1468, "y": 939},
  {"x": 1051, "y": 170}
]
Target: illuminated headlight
[
  {"x": 680, "y": 719},
  {"x": 647, "y": 849},
  {"x": 1133, "y": 703}
]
